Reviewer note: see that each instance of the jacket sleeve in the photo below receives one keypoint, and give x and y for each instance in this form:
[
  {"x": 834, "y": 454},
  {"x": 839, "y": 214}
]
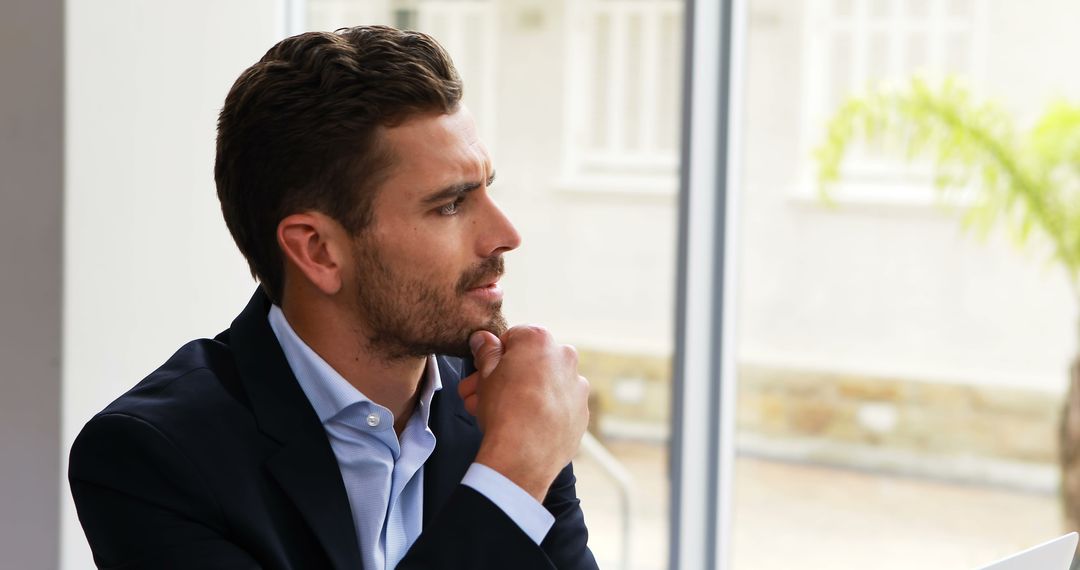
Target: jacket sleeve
[
  {"x": 567, "y": 543},
  {"x": 471, "y": 532},
  {"x": 142, "y": 504}
]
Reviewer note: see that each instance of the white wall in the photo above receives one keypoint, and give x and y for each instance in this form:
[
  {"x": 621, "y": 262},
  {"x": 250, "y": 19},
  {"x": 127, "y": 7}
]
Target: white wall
[{"x": 148, "y": 261}]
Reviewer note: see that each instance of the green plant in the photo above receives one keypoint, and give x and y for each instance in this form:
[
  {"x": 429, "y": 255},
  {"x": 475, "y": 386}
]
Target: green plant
[{"x": 1029, "y": 180}]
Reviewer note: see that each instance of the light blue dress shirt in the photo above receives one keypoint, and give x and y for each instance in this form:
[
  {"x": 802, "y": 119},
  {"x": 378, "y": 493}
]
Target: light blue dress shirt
[{"x": 384, "y": 475}]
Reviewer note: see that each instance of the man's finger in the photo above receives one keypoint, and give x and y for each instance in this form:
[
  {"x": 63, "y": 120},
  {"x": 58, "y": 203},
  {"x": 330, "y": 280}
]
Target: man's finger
[
  {"x": 467, "y": 386},
  {"x": 487, "y": 350},
  {"x": 472, "y": 402}
]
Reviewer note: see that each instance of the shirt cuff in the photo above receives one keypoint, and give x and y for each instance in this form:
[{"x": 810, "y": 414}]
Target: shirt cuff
[{"x": 520, "y": 506}]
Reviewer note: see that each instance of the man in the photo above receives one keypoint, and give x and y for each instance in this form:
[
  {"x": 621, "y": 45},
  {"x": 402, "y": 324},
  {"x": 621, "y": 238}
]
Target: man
[{"x": 339, "y": 422}]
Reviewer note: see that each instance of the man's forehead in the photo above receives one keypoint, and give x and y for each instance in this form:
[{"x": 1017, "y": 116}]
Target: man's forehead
[
  {"x": 433, "y": 150},
  {"x": 436, "y": 135}
]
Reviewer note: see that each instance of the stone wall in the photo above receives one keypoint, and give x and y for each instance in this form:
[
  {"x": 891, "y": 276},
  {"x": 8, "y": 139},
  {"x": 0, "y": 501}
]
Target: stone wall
[
  {"x": 926, "y": 417},
  {"x": 941, "y": 429}
]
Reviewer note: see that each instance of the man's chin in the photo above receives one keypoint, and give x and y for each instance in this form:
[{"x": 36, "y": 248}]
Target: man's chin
[
  {"x": 458, "y": 350},
  {"x": 447, "y": 340},
  {"x": 495, "y": 324}
]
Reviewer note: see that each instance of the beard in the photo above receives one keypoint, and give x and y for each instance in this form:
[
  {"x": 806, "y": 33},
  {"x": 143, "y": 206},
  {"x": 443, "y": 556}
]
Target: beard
[{"x": 408, "y": 316}]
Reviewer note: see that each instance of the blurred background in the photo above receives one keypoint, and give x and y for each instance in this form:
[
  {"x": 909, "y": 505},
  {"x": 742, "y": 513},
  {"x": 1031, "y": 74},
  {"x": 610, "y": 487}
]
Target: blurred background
[{"x": 899, "y": 377}]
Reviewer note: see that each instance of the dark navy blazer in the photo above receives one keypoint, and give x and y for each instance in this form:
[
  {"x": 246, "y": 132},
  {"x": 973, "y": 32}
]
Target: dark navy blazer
[{"x": 217, "y": 460}]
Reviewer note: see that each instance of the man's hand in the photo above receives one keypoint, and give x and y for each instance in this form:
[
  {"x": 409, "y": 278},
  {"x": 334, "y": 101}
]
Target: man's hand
[{"x": 531, "y": 404}]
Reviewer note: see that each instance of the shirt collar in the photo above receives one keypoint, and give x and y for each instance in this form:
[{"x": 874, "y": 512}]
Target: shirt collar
[{"x": 329, "y": 392}]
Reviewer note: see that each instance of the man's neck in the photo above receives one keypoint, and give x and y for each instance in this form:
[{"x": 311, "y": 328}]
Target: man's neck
[{"x": 393, "y": 384}]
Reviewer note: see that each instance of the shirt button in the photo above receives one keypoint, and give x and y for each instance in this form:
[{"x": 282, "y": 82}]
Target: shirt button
[{"x": 373, "y": 420}]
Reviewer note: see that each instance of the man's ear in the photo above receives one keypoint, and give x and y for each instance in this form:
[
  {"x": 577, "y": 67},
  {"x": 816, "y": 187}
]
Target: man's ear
[{"x": 314, "y": 245}]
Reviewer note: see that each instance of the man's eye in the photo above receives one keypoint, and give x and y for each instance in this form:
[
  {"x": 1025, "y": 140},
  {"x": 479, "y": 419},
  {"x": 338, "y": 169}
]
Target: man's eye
[{"x": 451, "y": 208}]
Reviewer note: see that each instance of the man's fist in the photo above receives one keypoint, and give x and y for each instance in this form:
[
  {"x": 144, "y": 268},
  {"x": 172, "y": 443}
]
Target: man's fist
[{"x": 531, "y": 404}]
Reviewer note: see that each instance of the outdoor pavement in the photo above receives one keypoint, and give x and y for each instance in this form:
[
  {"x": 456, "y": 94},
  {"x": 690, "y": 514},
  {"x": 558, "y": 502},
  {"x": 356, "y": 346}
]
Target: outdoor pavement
[{"x": 789, "y": 515}]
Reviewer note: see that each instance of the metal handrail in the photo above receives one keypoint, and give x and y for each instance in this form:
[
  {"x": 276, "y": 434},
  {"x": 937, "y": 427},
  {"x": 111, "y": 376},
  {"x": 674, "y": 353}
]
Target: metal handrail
[{"x": 615, "y": 469}]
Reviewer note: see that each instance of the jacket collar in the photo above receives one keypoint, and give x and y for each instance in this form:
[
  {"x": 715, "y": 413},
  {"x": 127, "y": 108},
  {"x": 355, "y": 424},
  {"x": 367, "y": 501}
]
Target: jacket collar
[
  {"x": 305, "y": 465},
  {"x": 457, "y": 437}
]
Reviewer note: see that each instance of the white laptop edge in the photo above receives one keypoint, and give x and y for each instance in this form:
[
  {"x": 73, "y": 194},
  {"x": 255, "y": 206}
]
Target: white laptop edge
[{"x": 1056, "y": 554}]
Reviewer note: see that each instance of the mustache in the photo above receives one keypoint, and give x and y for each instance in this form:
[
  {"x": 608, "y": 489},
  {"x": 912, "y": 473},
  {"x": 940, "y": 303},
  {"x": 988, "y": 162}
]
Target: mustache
[{"x": 483, "y": 273}]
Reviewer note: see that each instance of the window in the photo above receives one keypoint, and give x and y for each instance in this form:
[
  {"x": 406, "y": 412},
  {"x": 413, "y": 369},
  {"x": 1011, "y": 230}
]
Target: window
[
  {"x": 852, "y": 45},
  {"x": 623, "y": 75},
  {"x": 900, "y": 381}
]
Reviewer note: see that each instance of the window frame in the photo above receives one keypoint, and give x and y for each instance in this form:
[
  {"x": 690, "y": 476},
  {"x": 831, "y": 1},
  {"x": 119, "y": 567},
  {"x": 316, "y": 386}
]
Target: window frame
[{"x": 702, "y": 450}]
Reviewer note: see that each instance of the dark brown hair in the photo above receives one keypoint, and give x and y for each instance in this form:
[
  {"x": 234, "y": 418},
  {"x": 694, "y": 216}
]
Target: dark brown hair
[{"x": 298, "y": 131}]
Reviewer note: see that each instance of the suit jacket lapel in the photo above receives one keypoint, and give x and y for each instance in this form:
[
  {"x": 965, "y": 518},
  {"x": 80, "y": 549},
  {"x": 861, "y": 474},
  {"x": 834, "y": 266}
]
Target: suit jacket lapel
[
  {"x": 457, "y": 438},
  {"x": 305, "y": 466}
]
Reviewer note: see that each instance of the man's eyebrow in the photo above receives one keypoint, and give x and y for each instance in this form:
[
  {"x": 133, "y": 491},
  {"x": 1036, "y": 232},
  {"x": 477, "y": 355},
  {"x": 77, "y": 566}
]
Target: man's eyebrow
[{"x": 456, "y": 190}]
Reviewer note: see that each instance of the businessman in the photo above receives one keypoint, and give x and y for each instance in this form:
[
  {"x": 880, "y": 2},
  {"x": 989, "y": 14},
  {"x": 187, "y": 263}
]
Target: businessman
[{"x": 369, "y": 407}]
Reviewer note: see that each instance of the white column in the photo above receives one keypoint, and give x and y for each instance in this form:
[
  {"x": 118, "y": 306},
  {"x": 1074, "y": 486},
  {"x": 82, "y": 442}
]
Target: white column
[
  {"x": 703, "y": 423},
  {"x": 31, "y": 198}
]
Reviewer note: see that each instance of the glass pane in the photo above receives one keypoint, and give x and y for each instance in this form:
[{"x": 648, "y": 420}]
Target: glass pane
[
  {"x": 843, "y": 8},
  {"x": 881, "y": 9},
  {"x": 901, "y": 373},
  {"x": 585, "y": 120},
  {"x": 960, "y": 9},
  {"x": 601, "y": 78},
  {"x": 918, "y": 58},
  {"x": 957, "y": 53},
  {"x": 635, "y": 89},
  {"x": 669, "y": 74},
  {"x": 841, "y": 71},
  {"x": 879, "y": 56},
  {"x": 918, "y": 9}
]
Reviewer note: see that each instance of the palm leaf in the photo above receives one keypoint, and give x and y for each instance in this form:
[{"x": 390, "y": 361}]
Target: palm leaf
[{"x": 1028, "y": 182}]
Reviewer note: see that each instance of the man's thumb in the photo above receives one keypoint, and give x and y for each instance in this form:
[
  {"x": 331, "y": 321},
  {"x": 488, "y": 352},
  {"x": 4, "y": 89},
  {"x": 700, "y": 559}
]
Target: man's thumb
[{"x": 487, "y": 350}]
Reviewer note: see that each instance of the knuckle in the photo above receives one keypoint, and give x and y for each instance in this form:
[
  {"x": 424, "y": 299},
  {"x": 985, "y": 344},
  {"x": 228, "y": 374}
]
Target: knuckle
[
  {"x": 531, "y": 334},
  {"x": 571, "y": 353},
  {"x": 520, "y": 331},
  {"x": 539, "y": 329}
]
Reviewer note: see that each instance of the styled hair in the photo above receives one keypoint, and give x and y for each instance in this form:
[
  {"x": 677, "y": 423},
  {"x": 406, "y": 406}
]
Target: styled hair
[{"x": 299, "y": 131}]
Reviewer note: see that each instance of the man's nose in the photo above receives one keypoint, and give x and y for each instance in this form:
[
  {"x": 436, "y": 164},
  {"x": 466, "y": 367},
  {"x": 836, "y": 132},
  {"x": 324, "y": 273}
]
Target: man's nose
[{"x": 499, "y": 234}]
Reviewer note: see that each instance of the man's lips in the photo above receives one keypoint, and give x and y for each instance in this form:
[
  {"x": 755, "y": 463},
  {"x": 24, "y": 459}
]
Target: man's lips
[
  {"x": 489, "y": 290},
  {"x": 486, "y": 283},
  {"x": 483, "y": 276}
]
